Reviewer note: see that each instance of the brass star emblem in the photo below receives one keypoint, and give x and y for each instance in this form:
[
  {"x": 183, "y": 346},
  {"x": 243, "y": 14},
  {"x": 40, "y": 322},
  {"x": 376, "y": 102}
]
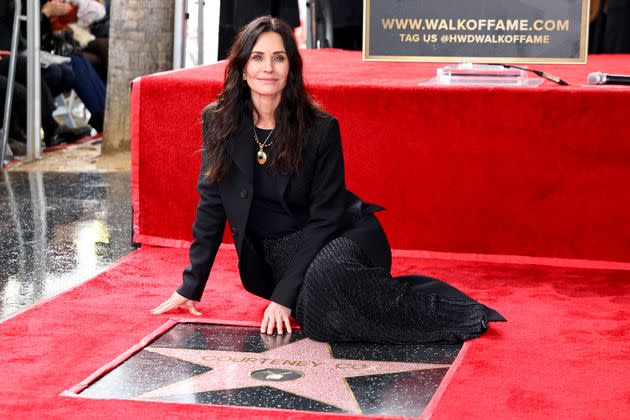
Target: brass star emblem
[{"x": 305, "y": 368}]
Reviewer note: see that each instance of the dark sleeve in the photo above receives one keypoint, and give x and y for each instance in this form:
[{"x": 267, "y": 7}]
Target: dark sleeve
[
  {"x": 207, "y": 235},
  {"x": 326, "y": 207}
]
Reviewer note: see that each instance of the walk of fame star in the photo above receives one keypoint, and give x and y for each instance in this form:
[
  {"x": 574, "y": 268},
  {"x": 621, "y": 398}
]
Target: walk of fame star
[
  {"x": 305, "y": 368},
  {"x": 205, "y": 363}
]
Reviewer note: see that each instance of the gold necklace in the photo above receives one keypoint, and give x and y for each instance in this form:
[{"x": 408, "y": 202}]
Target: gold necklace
[{"x": 261, "y": 156}]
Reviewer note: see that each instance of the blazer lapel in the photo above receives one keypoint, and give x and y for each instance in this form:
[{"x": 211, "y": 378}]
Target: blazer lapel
[
  {"x": 283, "y": 181},
  {"x": 241, "y": 149}
]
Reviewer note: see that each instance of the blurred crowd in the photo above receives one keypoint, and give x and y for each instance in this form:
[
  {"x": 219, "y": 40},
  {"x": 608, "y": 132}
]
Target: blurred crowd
[{"x": 74, "y": 44}]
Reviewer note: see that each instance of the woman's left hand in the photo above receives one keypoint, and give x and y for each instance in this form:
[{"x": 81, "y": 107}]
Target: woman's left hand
[{"x": 275, "y": 317}]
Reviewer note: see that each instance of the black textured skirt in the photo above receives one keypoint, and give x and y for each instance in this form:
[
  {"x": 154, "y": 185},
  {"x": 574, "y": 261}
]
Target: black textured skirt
[{"x": 345, "y": 298}]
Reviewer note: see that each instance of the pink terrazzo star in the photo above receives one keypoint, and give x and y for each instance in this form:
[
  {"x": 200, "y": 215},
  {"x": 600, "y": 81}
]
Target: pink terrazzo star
[{"x": 323, "y": 377}]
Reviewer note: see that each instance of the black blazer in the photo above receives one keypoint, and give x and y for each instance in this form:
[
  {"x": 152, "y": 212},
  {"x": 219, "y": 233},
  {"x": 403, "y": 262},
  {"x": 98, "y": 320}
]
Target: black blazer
[{"x": 316, "y": 198}]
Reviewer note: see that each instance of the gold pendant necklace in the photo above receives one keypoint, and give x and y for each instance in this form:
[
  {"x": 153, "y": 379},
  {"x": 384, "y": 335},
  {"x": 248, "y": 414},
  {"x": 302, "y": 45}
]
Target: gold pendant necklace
[{"x": 261, "y": 156}]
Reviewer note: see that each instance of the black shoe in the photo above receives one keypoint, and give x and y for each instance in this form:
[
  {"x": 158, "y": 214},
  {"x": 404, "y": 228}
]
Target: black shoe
[
  {"x": 97, "y": 121},
  {"x": 18, "y": 134},
  {"x": 54, "y": 140},
  {"x": 70, "y": 135},
  {"x": 17, "y": 147}
]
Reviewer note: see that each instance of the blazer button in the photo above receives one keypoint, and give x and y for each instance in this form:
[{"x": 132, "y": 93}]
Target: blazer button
[
  {"x": 243, "y": 193},
  {"x": 234, "y": 231}
]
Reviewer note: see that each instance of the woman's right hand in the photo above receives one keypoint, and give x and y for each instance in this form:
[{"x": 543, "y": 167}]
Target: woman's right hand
[{"x": 176, "y": 301}]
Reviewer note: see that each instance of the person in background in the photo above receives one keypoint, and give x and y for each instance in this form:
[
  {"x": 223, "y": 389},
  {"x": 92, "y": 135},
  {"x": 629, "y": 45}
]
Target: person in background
[
  {"x": 56, "y": 78},
  {"x": 97, "y": 50},
  {"x": 57, "y": 18},
  {"x": 82, "y": 12},
  {"x": 347, "y": 24},
  {"x": 272, "y": 165},
  {"x": 17, "y": 123}
]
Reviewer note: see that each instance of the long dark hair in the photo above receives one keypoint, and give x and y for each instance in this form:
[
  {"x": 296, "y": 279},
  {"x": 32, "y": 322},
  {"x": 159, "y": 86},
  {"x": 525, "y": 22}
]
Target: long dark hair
[{"x": 294, "y": 116}]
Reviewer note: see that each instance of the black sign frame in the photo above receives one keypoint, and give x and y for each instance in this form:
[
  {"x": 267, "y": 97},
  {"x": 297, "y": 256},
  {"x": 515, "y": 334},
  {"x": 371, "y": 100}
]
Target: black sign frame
[{"x": 437, "y": 38}]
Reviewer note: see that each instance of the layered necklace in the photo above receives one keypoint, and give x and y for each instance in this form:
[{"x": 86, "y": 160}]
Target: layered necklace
[{"x": 261, "y": 156}]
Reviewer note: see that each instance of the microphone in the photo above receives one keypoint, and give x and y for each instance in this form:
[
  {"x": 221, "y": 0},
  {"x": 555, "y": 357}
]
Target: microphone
[{"x": 607, "y": 79}]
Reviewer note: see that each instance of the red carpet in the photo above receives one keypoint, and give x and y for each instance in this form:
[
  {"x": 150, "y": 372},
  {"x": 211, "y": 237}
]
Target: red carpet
[
  {"x": 532, "y": 171},
  {"x": 536, "y": 172},
  {"x": 564, "y": 353}
]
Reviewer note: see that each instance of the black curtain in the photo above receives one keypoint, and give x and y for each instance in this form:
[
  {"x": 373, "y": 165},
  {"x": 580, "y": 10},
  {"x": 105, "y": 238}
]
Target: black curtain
[
  {"x": 609, "y": 33},
  {"x": 234, "y": 14}
]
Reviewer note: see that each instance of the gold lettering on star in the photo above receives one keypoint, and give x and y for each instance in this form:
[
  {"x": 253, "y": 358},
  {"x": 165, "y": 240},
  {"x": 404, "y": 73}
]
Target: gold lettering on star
[{"x": 279, "y": 362}]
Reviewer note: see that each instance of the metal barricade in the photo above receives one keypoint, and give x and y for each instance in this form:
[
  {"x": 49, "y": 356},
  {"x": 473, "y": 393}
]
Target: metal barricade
[
  {"x": 33, "y": 77},
  {"x": 8, "y": 100},
  {"x": 179, "y": 34},
  {"x": 33, "y": 80}
]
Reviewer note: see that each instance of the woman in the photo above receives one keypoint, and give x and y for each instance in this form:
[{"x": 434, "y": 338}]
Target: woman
[{"x": 272, "y": 165}]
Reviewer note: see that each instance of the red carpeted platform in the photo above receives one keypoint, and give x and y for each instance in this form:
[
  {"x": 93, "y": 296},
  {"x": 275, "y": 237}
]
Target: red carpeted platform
[
  {"x": 564, "y": 353},
  {"x": 531, "y": 171}
]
